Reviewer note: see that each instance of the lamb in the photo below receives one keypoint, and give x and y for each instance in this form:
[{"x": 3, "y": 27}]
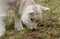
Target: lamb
[
  {"x": 31, "y": 13},
  {"x": 28, "y": 12}
]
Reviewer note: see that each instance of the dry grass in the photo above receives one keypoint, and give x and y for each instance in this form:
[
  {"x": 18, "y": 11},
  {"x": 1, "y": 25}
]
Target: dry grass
[{"x": 41, "y": 32}]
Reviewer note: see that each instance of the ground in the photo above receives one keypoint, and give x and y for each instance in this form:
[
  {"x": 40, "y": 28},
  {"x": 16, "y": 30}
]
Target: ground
[{"x": 42, "y": 32}]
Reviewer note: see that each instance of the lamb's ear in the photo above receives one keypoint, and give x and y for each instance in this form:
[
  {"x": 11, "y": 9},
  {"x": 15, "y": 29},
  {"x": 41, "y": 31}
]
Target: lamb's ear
[
  {"x": 31, "y": 13},
  {"x": 44, "y": 8}
]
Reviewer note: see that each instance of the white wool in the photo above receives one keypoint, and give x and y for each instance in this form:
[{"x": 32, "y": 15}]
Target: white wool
[
  {"x": 3, "y": 10},
  {"x": 25, "y": 8},
  {"x": 4, "y": 7},
  {"x": 2, "y": 25},
  {"x": 3, "y": 15}
]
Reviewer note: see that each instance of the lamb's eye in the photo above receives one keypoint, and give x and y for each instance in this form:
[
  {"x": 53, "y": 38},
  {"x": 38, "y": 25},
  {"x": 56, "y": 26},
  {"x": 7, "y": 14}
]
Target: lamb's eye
[{"x": 31, "y": 19}]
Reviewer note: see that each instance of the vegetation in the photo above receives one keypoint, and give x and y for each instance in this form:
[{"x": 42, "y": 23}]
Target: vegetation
[{"x": 42, "y": 32}]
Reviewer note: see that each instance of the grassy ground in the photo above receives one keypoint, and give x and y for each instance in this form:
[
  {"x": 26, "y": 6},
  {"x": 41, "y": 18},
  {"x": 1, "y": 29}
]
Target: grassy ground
[{"x": 51, "y": 32}]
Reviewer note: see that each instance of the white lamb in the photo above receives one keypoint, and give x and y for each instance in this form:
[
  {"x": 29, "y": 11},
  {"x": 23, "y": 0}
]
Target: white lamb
[{"x": 31, "y": 13}]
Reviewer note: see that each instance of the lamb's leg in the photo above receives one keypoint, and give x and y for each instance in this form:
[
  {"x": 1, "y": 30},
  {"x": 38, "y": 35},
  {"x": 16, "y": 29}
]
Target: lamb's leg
[
  {"x": 18, "y": 24},
  {"x": 3, "y": 15},
  {"x": 2, "y": 25}
]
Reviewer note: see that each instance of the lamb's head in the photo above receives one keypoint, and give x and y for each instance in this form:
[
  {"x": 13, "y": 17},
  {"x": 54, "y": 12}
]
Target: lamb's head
[
  {"x": 36, "y": 15},
  {"x": 32, "y": 15}
]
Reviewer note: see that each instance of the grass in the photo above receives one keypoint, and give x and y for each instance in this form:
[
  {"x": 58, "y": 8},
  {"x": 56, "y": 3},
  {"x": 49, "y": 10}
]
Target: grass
[{"x": 41, "y": 32}]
